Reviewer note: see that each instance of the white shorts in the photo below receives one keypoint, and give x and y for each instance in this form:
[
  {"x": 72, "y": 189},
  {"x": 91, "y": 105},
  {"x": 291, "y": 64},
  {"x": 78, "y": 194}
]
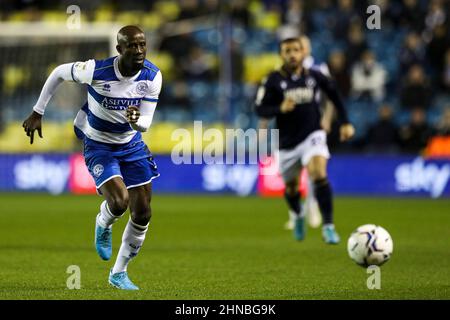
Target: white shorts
[{"x": 291, "y": 161}]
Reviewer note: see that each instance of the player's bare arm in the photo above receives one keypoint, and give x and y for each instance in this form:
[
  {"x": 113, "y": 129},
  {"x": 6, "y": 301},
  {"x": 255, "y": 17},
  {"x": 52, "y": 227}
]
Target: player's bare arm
[{"x": 60, "y": 74}]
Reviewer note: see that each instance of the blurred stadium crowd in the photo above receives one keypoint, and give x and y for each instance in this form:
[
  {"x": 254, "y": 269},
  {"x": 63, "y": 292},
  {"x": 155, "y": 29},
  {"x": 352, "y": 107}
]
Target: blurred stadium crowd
[{"x": 395, "y": 80}]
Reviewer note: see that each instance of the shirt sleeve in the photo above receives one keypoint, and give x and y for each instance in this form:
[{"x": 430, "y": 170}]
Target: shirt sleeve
[
  {"x": 148, "y": 105},
  {"x": 154, "y": 89},
  {"x": 267, "y": 102},
  {"x": 329, "y": 86},
  {"x": 59, "y": 74},
  {"x": 83, "y": 72}
]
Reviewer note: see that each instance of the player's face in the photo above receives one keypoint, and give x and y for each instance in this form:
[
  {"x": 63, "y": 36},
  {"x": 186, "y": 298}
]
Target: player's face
[
  {"x": 292, "y": 54},
  {"x": 134, "y": 50}
]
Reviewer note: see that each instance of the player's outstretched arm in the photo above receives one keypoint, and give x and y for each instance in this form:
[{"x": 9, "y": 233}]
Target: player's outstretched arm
[
  {"x": 34, "y": 121},
  {"x": 347, "y": 130},
  {"x": 79, "y": 72}
]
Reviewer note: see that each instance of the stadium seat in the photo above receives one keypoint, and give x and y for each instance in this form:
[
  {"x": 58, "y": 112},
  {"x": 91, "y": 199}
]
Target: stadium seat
[
  {"x": 164, "y": 62},
  {"x": 129, "y": 17},
  {"x": 167, "y": 9},
  {"x": 151, "y": 20},
  {"x": 256, "y": 67},
  {"x": 58, "y": 137}
]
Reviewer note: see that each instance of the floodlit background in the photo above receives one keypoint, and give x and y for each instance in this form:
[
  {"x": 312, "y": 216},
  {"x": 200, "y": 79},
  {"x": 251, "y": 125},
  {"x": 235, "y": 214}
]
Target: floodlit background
[
  {"x": 395, "y": 81},
  {"x": 205, "y": 242},
  {"x": 213, "y": 55}
]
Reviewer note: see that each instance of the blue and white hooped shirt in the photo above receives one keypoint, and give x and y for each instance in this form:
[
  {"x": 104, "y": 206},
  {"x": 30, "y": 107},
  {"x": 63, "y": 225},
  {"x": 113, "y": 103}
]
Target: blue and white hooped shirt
[{"x": 103, "y": 118}]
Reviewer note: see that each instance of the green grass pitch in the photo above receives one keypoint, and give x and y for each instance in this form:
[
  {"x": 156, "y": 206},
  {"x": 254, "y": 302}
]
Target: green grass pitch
[{"x": 221, "y": 247}]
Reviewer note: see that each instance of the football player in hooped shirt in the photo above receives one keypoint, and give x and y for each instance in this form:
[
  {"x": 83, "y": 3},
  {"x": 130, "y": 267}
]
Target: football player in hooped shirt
[
  {"x": 121, "y": 99},
  {"x": 291, "y": 95}
]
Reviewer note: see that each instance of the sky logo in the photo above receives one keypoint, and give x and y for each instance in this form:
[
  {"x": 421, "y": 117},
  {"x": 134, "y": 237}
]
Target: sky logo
[
  {"x": 241, "y": 179},
  {"x": 418, "y": 176},
  {"x": 38, "y": 173}
]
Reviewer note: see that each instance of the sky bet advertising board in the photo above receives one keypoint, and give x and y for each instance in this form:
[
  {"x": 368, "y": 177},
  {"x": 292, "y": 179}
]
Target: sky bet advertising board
[{"x": 350, "y": 175}]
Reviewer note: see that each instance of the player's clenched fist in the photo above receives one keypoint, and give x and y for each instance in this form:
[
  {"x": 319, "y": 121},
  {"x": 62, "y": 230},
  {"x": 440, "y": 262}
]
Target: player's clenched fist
[
  {"x": 133, "y": 114},
  {"x": 347, "y": 131},
  {"x": 287, "y": 105},
  {"x": 32, "y": 123}
]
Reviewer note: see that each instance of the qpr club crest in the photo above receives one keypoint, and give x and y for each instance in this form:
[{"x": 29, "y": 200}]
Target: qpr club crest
[
  {"x": 142, "y": 88},
  {"x": 98, "y": 170}
]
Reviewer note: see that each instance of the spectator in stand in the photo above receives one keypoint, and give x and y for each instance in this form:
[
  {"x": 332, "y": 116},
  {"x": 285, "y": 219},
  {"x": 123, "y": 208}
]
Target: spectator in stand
[
  {"x": 437, "y": 47},
  {"x": 443, "y": 127},
  {"x": 178, "y": 46},
  {"x": 416, "y": 90},
  {"x": 320, "y": 18},
  {"x": 383, "y": 135},
  {"x": 337, "y": 65},
  {"x": 240, "y": 14},
  {"x": 210, "y": 7},
  {"x": 293, "y": 19},
  {"x": 415, "y": 135},
  {"x": 446, "y": 72},
  {"x": 294, "y": 13},
  {"x": 413, "y": 17},
  {"x": 368, "y": 78},
  {"x": 176, "y": 96},
  {"x": 343, "y": 18},
  {"x": 356, "y": 42},
  {"x": 390, "y": 12},
  {"x": 436, "y": 15},
  {"x": 439, "y": 144},
  {"x": 412, "y": 52},
  {"x": 189, "y": 9},
  {"x": 198, "y": 66}
]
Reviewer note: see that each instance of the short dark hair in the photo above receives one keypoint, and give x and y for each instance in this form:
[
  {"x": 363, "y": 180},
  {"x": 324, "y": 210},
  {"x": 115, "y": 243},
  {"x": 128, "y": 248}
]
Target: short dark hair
[{"x": 288, "y": 40}]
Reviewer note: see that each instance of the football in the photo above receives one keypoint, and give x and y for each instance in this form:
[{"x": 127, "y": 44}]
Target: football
[{"x": 369, "y": 245}]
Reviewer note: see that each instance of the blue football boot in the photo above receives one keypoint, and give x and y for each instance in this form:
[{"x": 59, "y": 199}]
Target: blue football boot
[
  {"x": 299, "y": 228},
  {"x": 120, "y": 280},
  {"x": 103, "y": 241},
  {"x": 330, "y": 235}
]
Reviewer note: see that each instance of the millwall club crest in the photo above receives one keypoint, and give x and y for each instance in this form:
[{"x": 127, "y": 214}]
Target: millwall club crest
[
  {"x": 142, "y": 88},
  {"x": 310, "y": 82}
]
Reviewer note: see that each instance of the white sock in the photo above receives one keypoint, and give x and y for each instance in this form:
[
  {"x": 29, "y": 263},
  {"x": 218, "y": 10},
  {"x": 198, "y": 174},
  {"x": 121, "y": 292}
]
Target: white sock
[
  {"x": 132, "y": 240},
  {"x": 105, "y": 218},
  {"x": 310, "y": 197}
]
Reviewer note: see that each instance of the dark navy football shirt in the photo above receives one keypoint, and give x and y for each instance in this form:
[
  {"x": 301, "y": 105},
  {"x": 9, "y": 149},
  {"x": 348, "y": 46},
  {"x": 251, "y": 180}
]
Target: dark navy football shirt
[{"x": 296, "y": 125}]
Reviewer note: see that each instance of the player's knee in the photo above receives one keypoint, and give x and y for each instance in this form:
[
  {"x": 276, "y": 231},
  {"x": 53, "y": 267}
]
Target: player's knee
[
  {"x": 320, "y": 182},
  {"x": 291, "y": 188},
  {"x": 142, "y": 215},
  {"x": 118, "y": 204},
  {"x": 317, "y": 173}
]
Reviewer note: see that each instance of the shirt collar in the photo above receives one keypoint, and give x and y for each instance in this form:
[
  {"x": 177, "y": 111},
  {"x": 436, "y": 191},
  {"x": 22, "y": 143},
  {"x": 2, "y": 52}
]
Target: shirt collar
[{"x": 119, "y": 75}]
